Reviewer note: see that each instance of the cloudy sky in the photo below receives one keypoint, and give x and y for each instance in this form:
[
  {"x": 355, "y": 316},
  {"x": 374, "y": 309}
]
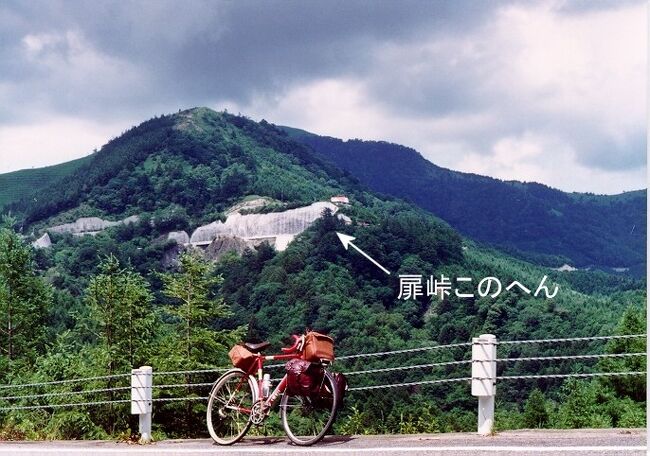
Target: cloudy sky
[{"x": 547, "y": 91}]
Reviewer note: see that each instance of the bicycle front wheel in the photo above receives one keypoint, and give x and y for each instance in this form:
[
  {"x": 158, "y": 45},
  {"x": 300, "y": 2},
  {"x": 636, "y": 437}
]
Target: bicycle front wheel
[
  {"x": 306, "y": 419},
  {"x": 229, "y": 407}
]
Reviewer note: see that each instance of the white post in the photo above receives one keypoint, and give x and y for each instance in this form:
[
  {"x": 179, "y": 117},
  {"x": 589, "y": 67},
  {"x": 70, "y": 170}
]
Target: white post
[
  {"x": 141, "y": 403},
  {"x": 484, "y": 379}
]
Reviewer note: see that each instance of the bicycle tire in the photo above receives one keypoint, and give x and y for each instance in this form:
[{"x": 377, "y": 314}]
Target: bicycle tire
[
  {"x": 226, "y": 424},
  {"x": 306, "y": 420}
]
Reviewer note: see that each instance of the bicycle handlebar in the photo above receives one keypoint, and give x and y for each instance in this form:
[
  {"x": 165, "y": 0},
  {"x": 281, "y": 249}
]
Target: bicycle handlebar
[{"x": 294, "y": 347}]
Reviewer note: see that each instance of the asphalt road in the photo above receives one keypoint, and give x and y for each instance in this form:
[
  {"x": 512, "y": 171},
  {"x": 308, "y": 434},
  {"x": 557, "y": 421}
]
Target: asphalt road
[{"x": 592, "y": 442}]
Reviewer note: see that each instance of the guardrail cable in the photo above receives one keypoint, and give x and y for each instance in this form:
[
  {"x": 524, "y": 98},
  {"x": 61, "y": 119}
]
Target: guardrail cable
[
  {"x": 419, "y": 366},
  {"x": 568, "y": 339},
  {"x": 183, "y": 385},
  {"x": 62, "y": 382},
  {"x": 73, "y": 404},
  {"x": 190, "y": 372},
  {"x": 397, "y": 385},
  {"x": 64, "y": 393},
  {"x": 553, "y": 358},
  {"x": 594, "y": 374},
  {"x": 406, "y": 350},
  {"x": 341, "y": 358}
]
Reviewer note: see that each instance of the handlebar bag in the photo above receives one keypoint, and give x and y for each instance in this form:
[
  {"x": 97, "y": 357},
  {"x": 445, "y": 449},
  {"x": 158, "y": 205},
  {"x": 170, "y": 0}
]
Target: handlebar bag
[
  {"x": 241, "y": 357},
  {"x": 318, "y": 347}
]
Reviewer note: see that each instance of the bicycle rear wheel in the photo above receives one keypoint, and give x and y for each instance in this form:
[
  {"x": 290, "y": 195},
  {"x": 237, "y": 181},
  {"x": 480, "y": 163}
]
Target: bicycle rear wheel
[
  {"x": 306, "y": 419},
  {"x": 229, "y": 407}
]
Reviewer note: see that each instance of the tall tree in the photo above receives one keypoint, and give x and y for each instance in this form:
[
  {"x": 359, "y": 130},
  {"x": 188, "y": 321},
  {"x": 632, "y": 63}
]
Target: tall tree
[
  {"x": 195, "y": 311},
  {"x": 121, "y": 314},
  {"x": 193, "y": 341},
  {"x": 121, "y": 319},
  {"x": 632, "y": 322},
  {"x": 24, "y": 300},
  {"x": 535, "y": 410}
]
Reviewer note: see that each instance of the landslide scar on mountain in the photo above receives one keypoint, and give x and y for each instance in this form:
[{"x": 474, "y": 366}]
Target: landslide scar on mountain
[
  {"x": 90, "y": 225},
  {"x": 276, "y": 228}
]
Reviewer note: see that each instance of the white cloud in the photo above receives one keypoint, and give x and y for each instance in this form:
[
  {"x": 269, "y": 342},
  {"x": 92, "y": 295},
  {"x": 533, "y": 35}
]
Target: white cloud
[
  {"x": 51, "y": 141},
  {"x": 526, "y": 159},
  {"x": 66, "y": 74},
  {"x": 344, "y": 108},
  {"x": 69, "y": 55},
  {"x": 590, "y": 65},
  {"x": 36, "y": 43}
]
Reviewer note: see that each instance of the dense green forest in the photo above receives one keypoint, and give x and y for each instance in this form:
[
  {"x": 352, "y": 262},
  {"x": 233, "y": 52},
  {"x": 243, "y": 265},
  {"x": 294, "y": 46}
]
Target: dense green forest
[
  {"x": 72, "y": 309},
  {"x": 529, "y": 220}
]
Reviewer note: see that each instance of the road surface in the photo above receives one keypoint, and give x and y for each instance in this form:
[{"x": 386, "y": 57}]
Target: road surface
[{"x": 592, "y": 442}]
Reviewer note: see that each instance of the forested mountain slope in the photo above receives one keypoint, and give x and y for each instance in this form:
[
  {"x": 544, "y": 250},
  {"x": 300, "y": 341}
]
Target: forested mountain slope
[{"x": 536, "y": 222}]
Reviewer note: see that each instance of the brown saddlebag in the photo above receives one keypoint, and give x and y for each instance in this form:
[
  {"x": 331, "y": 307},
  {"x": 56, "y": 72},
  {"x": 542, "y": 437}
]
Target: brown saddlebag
[{"x": 242, "y": 358}]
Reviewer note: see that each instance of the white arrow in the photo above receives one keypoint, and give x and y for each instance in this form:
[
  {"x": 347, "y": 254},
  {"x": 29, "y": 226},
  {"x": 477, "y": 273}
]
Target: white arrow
[{"x": 347, "y": 240}]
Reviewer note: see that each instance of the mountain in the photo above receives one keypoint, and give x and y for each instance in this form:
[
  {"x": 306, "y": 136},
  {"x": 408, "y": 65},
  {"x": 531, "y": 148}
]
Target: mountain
[
  {"x": 530, "y": 220},
  {"x": 15, "y": 185},
  {"x": 199, "y": 160},
  {"x": 183, "y": 173},
  {"x": 214, "y": 174}
]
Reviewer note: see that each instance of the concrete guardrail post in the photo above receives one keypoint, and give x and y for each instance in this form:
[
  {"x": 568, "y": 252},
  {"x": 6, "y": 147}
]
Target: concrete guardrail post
[
  {"x": 141, "y": 403},
  {"x": 484, "y": 379}
]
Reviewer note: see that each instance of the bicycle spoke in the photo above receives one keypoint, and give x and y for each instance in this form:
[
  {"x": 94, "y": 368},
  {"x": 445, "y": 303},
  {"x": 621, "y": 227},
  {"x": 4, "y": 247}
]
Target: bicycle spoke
[{"x": 227, "y": 419}]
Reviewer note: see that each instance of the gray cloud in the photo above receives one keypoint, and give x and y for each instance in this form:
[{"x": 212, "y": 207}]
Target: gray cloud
[
  {"x": 209, "y": 50},
  {"x": 416, "y": 59}
]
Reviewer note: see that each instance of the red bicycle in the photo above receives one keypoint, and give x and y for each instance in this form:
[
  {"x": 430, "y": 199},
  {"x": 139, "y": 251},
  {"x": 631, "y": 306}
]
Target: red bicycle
[{"x": 239, "y": 400}]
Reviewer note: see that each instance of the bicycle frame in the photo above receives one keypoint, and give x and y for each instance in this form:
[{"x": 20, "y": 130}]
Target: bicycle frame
[
  {"x": 270, "y": 400},
  {"x": 292, "y": 352}
]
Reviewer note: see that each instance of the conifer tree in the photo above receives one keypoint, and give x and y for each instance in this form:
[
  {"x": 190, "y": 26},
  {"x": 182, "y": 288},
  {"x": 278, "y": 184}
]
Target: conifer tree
[
  {"x": 195, "y": 310},
  {"x": 25, "y": 300},
  {"x": 119, "y": 301}
]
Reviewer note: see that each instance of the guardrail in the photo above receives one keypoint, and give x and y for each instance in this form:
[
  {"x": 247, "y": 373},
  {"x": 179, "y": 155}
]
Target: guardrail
[{"x": 482, "y": 379}]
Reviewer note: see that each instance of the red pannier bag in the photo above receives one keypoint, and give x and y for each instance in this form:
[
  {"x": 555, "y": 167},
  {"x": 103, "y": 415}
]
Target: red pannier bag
[
  {"x": 318, "y": 347},
  {"x": 242, "y": 358},
  {"x": 322, "y": 396},
  {"x": 303, "y": 377},
  {"x": 341, "y": 383}
]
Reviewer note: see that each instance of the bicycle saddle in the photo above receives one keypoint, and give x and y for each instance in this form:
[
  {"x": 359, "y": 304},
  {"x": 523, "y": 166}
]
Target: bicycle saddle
[{"x": 257, "y": 347}]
